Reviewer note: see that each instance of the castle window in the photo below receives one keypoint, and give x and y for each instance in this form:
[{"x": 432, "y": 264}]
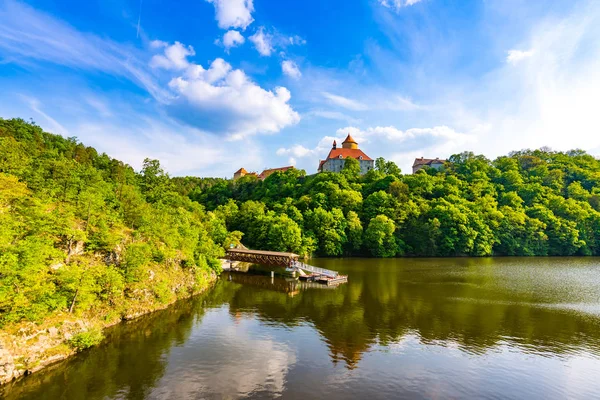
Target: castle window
[
  {"x": 360, "y": 157},
  {"x": 340, "y": 156}
]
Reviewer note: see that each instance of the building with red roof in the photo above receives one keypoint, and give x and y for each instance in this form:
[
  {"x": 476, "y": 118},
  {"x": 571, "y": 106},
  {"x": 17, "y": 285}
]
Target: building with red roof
[
  {"x": 239, "y": 173},
  {"x": 337, "y": 157},
  {"x": 427, "y": 162},
  {"x": 262, "y": 176}
]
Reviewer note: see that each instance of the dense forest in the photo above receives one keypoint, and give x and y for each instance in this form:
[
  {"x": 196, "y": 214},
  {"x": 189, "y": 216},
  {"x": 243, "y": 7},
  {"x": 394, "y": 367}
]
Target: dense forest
[
  {"x": 82, "y": 232},
  {"x": 528, "y": 203}
]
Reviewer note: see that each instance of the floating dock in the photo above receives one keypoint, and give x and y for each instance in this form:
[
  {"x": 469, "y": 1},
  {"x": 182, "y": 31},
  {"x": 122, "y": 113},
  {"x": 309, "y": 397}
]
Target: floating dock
[{"x": 325, "y": 280}]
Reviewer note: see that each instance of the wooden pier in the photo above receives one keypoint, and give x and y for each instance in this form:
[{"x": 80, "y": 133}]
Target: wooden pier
[
  {"x": 273, "y": 258},
  {"x": 306, "y": 272}
]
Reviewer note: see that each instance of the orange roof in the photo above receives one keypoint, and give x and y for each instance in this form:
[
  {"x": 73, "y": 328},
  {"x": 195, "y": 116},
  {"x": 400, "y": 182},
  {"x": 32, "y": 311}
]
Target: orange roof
[
  {"x": 349, "y": 139},
  {"x": 345, "y": 153},
  {"x": 240, "y": 171},
  {"x": 269, "y": 171}
]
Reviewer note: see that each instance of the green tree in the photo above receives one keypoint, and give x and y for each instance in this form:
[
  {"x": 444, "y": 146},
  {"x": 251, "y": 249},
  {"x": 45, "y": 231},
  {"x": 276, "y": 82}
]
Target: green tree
[
  {"x": 351, "y": 169},
  {"x": 328, "y": 227},
  {"x": 379, "y": 237},
  {"x": 354, "y": 232}
]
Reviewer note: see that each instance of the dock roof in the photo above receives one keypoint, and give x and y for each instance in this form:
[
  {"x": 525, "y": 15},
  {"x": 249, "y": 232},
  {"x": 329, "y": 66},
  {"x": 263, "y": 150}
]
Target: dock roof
[{"x": 263, "y": 252}]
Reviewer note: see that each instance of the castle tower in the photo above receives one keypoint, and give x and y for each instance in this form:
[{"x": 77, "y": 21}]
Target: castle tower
[
  {"x": 336, "y": 159},
  {"x": 349, "y": 143}
]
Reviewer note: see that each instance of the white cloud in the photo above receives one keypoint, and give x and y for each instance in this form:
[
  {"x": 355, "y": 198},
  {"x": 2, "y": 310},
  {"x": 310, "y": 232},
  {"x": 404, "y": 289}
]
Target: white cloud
[
  {"x": 182, "y": 150},
  {"x": 99, "y": 106},
  {"x": 296, "y": 150},
  {"x": 157, "y": 44},
  {"x": 232, "y": 39},
  {"x": 54, "y": 125},
  {"x": 515, "y": 56},
  {"x": 131, "y": 136},
  {"x": 334, "y": 115},
  {"x": 398, "y": 4},
  {"x": 394, "y": 134},
  {"x": 175, "y": 57},
  {"x": 403, "y": 104},
  {"x": 233, "y": 13},
  {"x": 224, "y": 100},
  {"x": 543, "y": 93},
  {"x": 262, "y": 42},
  {"x": 218, "y": 100},
  {"x": 296, "y": 40},
  {"x": 345, "y": 102},
  {"x": 401, "y": 146},
  {"x": 550, "y": 100},
  {"x": 291, "y": 69},
  {"x": 266, "y": 41}
]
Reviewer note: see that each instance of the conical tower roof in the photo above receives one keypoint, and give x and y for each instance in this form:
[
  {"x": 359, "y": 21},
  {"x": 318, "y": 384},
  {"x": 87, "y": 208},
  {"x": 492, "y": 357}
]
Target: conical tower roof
[{"x": 349, "y": 139}]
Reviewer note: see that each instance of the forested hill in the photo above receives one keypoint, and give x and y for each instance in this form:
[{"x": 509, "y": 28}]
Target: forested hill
[
  {"x": 80, "y": 231},
  {"x": 529, "y": 203}
]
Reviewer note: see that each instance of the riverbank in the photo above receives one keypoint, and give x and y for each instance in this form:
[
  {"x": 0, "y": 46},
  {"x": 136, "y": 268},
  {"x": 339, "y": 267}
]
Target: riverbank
[
  {"x": 28, "y": 347},
  {"x": 414, "y": 328}
]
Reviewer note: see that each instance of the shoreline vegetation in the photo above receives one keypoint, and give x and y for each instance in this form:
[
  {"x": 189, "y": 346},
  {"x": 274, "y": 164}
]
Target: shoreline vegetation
[{"x": 86, "y": 241}]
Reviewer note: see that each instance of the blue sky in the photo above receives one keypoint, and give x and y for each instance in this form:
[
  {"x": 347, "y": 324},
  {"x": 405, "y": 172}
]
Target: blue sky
[{"x": 209, "y": 86}]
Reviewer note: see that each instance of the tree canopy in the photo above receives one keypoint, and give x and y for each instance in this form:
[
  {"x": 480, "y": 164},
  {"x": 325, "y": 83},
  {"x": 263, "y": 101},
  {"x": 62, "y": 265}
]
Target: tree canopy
[
  {"x": 530, "y": 202},
  {"x": 83, "y": 232}
]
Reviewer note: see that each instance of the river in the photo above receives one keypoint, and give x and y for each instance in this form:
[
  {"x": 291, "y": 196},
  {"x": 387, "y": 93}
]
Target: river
[{"x": 494, "y": 328}]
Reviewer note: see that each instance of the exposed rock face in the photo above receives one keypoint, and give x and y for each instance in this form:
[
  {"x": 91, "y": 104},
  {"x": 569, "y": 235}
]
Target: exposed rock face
[
  {"x": 31, "y": 347},
  {"x": 35, "y": 346},
  {"x": 75, "y": 248},
  {"x": 114, "y": 257},
  {"x": 7, "y": 365}
]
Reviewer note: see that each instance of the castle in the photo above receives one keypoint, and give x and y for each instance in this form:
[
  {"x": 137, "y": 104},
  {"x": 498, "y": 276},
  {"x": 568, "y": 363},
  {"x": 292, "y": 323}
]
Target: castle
[{"x": 336, "y": 158}]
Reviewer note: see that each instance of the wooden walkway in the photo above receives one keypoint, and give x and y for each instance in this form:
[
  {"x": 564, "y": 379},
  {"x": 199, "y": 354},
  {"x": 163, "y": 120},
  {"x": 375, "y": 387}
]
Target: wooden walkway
[{"x": 287, "y": 260}]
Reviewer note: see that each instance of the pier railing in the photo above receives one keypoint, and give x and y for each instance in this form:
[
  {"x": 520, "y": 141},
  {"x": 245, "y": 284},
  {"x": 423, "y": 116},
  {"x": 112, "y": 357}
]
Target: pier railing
[
  {"x": 321, "y": 271},
  {"x": 274, "y": 258}
]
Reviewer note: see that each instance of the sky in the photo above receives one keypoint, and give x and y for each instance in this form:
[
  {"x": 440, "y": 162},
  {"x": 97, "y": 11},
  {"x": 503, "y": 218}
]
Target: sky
[{"x": 209, "y": 86}]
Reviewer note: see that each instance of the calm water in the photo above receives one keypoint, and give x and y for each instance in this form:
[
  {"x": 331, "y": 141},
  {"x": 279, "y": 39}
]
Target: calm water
[{"x": 406, "y": 328}]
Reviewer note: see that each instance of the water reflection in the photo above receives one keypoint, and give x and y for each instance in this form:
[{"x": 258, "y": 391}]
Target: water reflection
[
  {"x": 126, "y": 366},
  {"x": 415, "y": 328},
  {"x": 475, "y": 303},
  {"x": 227, "y": 362}
]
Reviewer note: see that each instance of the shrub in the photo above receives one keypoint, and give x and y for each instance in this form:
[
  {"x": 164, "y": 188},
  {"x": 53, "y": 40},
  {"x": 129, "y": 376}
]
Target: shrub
[{"x": 84, "y": 340}]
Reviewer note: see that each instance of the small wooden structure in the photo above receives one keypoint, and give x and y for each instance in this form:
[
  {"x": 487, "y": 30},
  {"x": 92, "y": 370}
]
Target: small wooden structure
[
  {"x": 325, "y": 280},
  {"x": 290, "y": 262},
  {"x": 272, "y": 258}
]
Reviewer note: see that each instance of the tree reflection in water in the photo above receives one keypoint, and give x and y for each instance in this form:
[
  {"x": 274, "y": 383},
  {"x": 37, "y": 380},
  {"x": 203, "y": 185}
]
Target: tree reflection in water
[{"x": 536, "y": 306}]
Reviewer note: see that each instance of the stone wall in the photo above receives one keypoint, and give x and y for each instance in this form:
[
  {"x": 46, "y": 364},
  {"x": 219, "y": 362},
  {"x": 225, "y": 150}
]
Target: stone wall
[{"x": 336, "y": 165}]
